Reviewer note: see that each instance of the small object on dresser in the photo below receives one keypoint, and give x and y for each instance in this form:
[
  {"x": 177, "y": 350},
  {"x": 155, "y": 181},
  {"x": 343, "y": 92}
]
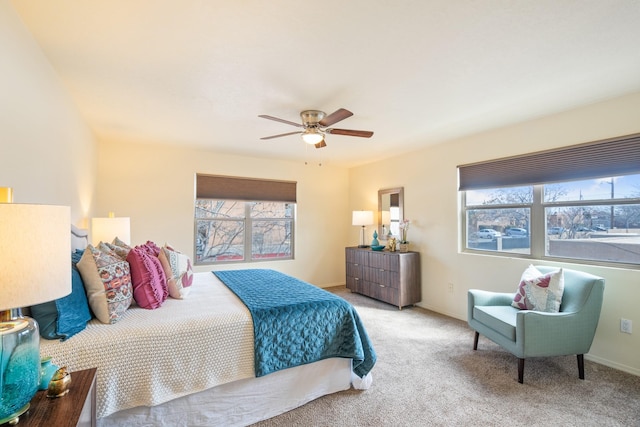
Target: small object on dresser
[
  {"x": 59, "y": 384},
  {"x": 375, "y": 242},
  {"x": 47, "y": 371},
  {"x": 391, "y": 244},
  {"x": 377, "y": 247},
  {"x": 404, "y": 246}
]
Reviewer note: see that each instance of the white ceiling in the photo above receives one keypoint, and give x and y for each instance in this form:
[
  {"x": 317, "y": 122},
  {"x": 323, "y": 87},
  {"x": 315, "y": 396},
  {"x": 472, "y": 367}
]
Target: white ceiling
[{"x": 416, "y": 72}]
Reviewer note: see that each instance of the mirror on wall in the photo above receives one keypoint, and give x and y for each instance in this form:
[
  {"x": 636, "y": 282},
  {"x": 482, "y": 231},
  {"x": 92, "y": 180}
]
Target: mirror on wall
[{"x": 390, "y": 212}]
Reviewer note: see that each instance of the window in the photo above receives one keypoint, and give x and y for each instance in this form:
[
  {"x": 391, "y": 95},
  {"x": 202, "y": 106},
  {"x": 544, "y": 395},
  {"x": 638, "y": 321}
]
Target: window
[
  {"x": 232, "y": 225},
  {"x": 585, "y": 219}
]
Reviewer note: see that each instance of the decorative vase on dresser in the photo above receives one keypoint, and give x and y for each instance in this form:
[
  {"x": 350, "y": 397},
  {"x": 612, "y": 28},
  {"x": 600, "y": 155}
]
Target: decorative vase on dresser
[{"x": 392, "y": 277}]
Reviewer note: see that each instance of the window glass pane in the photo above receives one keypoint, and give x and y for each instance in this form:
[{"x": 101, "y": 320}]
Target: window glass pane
[
  {"x": 584, "y": 232},
  {"x": 500, "y": 196},
  {"x": 503, "y": 229},
  {"x": 219, "y": 240},
  {"x": 621, "y": 187},
  {"x": 206, "y": 208},
  {"x": 271, "y": 239},
  {"x": 271, "y": 210}
]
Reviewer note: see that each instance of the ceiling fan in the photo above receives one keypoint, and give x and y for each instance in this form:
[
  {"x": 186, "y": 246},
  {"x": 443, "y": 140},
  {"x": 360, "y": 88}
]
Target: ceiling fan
[{"x": 315, "y": 125}]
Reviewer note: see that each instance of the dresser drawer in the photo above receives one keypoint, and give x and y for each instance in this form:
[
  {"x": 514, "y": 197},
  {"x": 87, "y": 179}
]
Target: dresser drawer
[
  {"x": 354, "y": 270},
  {"x": 384, "y": 261},
  {"x": 381, "y": 276}
]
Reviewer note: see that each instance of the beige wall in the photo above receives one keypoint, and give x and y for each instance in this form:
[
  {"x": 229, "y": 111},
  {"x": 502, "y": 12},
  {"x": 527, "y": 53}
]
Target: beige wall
[
  {"x": 155, "y": 187},
  {"x": 47, "y": 153},
  {"x": 429, "y": 178}
]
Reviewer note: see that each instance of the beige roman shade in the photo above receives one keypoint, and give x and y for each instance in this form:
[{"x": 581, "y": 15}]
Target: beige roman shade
[
  {"x": 600, "y": 159},
  {"x": 248, "y": 189}
]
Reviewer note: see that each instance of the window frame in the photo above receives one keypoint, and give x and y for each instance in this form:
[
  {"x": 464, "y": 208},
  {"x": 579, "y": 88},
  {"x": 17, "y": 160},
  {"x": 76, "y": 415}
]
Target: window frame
[
  {"x": 537, "y": 230},
  {"x": 248, "y": 235}
]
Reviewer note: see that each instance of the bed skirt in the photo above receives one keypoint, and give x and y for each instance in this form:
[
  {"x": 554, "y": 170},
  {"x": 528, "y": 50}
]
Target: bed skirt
[{"x": 243, "y": 402}]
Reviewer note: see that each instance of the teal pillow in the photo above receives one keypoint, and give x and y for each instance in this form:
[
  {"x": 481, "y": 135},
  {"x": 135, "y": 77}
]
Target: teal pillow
[{"x": 66, "y": 316}]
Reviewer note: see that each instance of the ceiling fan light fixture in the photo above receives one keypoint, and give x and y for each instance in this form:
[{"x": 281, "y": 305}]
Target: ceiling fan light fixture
[{"x": 312, "y": 136}]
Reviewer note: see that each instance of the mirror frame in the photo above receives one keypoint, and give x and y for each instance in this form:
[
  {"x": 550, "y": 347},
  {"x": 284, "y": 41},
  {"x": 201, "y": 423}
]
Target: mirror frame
[{"x": 389, "y": 191}]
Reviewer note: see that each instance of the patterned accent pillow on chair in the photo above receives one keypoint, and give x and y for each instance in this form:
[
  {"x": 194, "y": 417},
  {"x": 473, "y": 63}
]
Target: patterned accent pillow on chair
[{"x": 538, "y": 291}]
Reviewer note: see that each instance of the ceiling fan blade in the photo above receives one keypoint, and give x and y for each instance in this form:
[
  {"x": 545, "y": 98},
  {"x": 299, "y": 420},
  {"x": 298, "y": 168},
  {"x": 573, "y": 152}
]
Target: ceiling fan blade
[
  {"x": 264, "y": 116},
  {"x": 350, "y": 132},
  {"x": 335, "y": 117},
  {"x": 282, "y": 134},
  {"x": 320, "y": 144}
]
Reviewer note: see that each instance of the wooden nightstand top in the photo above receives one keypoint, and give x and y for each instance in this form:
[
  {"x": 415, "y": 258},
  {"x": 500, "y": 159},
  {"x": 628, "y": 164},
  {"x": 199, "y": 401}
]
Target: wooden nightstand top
[{"x": 78, "y": 407}]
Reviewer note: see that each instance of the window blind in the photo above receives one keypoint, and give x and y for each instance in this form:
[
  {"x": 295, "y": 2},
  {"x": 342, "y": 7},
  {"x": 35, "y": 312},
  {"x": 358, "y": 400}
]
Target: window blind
[
  {"x": 248, "y": 189},
  {"x": 599, "y": 159}
]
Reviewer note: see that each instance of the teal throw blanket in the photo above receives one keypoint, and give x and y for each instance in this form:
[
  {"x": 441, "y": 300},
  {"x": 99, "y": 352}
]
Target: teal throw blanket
[{"x": 296, "y": 323}]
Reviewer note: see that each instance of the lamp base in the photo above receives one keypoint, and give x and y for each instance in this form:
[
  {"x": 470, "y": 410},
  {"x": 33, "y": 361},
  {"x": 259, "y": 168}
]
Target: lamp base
[
  {"x": 19, "y": 366},
  {"x": 13, "y": 419}
]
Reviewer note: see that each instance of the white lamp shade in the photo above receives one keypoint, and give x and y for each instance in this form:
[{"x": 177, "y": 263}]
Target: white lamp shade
[
  {"x": 362, "y": 218},
  {"x": 107, "y": 229},
  {"x": 35, "y": 254}
]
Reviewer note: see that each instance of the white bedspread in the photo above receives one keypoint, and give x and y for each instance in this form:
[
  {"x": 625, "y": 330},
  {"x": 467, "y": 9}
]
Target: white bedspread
[{"x": 153, "y": 356}]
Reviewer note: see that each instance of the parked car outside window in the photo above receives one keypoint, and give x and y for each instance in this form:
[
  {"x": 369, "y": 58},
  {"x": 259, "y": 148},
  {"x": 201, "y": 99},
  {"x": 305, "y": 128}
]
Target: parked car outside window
[
  {"x": 488, "y": 233},
  {"x": 555, "y": 230},
  {"x": 516, "y": 232}
]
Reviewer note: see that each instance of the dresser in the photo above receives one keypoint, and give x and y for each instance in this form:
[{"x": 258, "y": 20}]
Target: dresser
[{"x": 392, "y": 277}]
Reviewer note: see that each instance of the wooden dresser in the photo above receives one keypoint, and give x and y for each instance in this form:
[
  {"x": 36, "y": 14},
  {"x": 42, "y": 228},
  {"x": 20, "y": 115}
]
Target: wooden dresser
[{"x": 392, "y": 277}]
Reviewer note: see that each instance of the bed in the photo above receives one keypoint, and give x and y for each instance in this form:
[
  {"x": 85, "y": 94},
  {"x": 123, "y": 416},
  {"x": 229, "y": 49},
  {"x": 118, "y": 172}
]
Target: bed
[{"x": 195, "y": 361}]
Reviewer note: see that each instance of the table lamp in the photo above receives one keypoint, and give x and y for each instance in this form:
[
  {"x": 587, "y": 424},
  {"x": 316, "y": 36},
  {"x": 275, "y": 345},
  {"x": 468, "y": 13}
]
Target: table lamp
[
  {"x": 362, "y": 218},
  {"x": 106, "y": 229},
  {"x": 35, "y": 267}
]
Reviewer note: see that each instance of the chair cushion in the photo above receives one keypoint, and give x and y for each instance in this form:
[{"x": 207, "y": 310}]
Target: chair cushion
[{"x": 500, "y": 318}]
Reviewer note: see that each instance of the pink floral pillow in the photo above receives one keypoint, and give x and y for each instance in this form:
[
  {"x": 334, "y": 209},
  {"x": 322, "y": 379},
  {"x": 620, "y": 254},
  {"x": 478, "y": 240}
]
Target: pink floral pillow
[
  {"x": 538, "y": 291},
  {"x": 177, "y": 268},
  {"x": 148, "y": 278},
  {"x": 107, "y": 281}
]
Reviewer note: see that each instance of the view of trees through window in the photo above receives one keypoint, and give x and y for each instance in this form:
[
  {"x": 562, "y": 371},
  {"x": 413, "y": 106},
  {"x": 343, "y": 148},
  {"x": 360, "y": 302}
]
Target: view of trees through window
[
  {"x": 236, "y": 231},
  {"x": 596, "y": 219}
]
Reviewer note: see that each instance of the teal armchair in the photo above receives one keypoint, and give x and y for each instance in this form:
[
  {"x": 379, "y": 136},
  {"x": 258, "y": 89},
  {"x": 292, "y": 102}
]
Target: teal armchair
[{"x": 528, "y": 333}]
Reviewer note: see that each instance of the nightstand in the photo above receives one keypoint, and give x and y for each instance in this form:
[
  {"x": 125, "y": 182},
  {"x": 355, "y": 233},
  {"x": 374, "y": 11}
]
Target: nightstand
[{"x": 77, "y": 408}]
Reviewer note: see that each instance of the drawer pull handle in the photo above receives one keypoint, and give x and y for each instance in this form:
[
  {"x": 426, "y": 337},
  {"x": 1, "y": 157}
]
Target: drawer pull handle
[
  {"x": 356, "y": 278},
  {"x": 382, "y": 286},
  {"x": 382, "y": 269}
]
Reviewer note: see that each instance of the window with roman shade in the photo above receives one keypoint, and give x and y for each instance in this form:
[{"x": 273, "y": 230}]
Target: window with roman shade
[
  {"x": 241, "y": 219},
  {"x": 580, "y": 202}
]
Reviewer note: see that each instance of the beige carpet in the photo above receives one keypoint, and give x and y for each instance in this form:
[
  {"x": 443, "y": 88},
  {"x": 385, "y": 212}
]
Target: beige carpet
[{"x": 428, "y": 374}]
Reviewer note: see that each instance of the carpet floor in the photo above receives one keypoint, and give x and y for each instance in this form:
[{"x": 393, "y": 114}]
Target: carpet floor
[{"x": 427, "y": 374}]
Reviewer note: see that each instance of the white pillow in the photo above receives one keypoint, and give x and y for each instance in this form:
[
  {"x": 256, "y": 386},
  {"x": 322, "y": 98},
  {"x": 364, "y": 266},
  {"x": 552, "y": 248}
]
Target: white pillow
[
  {"x": 545, "y": 292},
  {"x": 520, "y": 299},
  {"x": 538, "y": 291},
  {"x": 178, "y": 270}
]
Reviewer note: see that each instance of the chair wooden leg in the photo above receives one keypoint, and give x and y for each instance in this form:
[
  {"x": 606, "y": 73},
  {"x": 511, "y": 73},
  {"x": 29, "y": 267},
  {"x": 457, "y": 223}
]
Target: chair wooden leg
[
  {"x": 475, "y": 340},
  {"x": 520, "y": 370},
  {"x": 581, "y": 366}
]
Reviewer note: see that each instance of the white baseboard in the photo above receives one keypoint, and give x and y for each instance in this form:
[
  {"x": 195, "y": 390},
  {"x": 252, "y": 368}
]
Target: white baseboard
[{"x": 613, "y": 365}]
